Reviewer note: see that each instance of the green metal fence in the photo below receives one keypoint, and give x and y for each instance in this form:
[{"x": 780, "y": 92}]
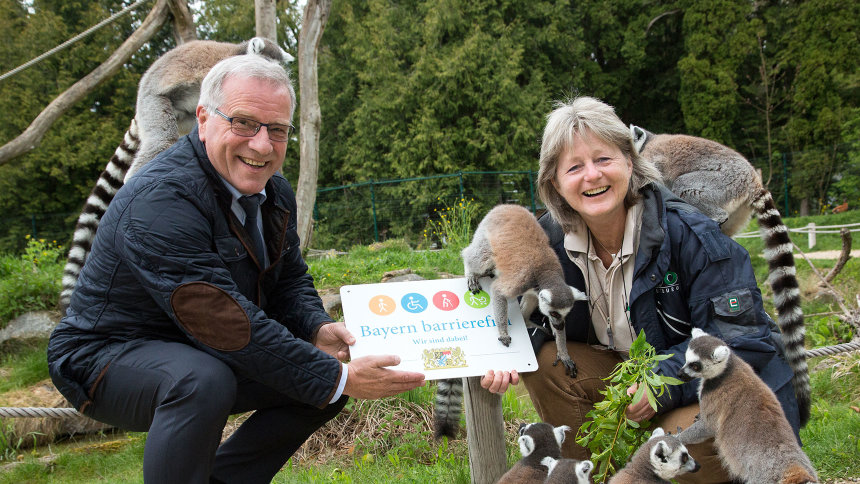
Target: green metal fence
[
  {"x": 377, "y": 210},
  {"x": 373, "y": 211}
]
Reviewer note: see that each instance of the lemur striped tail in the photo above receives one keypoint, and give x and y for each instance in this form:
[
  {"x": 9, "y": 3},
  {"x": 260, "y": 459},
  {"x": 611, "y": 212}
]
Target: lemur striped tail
[
  {"x": 449, "y": 406},
  {"x": 786, "y": 295},
  {"x": 110, "y": 180}
]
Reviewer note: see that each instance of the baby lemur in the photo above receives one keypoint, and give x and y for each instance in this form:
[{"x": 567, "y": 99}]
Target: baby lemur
[
  {"x": 659, "y": 459},
  {"x": 537, "y": 441},
  {"x": 567, "y": 471},
  {"x": 510, "y": 246},
  {"x": 751, "y": 434}
]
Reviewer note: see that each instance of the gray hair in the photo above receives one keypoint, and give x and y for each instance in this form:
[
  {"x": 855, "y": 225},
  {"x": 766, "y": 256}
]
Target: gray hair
[
  {"x": 576, "y": 117},
  {"x": 245, "y": 66}
]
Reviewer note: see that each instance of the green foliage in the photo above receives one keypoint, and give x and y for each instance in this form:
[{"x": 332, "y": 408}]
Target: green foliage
[
  {"x": 31, "y": 281},
  {"x": 453, "y": 227},
  {"x": 57, "y": 175},
  {"x": 610, "y": 436}
]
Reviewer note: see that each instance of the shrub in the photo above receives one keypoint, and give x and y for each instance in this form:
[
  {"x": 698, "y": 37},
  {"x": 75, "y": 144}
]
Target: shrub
[{"x": 31, "y": 281}]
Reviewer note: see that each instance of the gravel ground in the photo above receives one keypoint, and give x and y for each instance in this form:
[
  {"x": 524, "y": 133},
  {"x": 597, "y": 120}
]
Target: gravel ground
[{"x": 828, "y": 254}]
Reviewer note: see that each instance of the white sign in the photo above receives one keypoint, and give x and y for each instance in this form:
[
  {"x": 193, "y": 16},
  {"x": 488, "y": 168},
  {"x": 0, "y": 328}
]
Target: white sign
[{"x": 437, "y": 327}]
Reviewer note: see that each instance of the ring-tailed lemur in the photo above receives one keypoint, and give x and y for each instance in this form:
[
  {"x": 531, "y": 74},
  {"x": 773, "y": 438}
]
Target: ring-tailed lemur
[
  {"x": 659, "y": 459},
  {"x": 449, "y": 406},
  {"x": 724, "y": 186},
  {"x": 511, "y": 246},
  {"x": 741, "y": 413},
  {"x": 567, "y": 471},
  {"x": 537, "y": 441},
  {"x": 166, "y": 103}
]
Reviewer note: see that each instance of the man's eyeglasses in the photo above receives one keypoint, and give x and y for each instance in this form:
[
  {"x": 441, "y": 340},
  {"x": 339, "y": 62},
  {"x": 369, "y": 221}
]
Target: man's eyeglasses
[{"x": 249, "y": 128}]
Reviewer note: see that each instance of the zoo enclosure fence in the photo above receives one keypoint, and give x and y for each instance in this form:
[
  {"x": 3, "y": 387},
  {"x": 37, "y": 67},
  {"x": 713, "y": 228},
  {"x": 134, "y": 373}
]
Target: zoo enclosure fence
[{"x": 367, "y": 212}]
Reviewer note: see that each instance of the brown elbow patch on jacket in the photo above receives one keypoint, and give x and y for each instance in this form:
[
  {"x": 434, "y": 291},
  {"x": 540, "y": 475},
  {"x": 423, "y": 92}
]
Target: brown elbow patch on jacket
[{"x": 212, "y": 316}]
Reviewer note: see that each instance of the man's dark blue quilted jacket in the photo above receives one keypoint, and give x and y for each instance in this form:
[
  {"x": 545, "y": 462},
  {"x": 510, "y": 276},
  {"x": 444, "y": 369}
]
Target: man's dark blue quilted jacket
[{"x": 170, "y": 262}]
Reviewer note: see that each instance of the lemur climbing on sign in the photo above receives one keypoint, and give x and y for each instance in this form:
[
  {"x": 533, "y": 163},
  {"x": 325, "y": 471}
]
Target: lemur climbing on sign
[
  {"x": 510, "y": 246},
  {"x": 741, "y": 413},
  {"x": 166, "y": 103},
  {"x": 724, "y": 186}
]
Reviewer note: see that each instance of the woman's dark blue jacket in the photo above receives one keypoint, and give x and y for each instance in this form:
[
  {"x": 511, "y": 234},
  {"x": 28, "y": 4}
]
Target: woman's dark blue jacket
[{"x": 687, "y": 274}]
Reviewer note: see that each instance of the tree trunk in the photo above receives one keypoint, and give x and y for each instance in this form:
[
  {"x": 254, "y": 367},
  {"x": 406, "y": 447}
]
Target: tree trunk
[
  {"x": 313, "y": 24},
  {"x": 264, "y": 17},
  {"x": 32, "y": 136},
  {"x": 184, "y": 29},
  {"x": 804, "y": 207}
]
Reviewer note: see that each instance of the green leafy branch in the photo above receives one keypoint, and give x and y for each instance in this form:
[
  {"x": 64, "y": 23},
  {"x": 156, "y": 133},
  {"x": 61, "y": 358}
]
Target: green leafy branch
[{"x": 610, "y": 436}]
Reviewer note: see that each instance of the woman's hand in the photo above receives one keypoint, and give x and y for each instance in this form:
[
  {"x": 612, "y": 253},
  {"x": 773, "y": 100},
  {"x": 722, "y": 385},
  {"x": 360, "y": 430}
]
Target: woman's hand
[
  {"x": 497, "y": 381},
  {"x": 641, "y": 410}
]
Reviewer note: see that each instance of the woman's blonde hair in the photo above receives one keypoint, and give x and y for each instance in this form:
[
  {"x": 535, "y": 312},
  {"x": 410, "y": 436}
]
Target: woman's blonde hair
[{"x": 586, "y": 115}]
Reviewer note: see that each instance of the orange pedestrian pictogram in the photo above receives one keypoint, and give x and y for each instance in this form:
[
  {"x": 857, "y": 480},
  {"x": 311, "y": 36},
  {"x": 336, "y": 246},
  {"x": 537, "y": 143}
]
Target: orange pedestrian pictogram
[{"x": 382, "y": 305}]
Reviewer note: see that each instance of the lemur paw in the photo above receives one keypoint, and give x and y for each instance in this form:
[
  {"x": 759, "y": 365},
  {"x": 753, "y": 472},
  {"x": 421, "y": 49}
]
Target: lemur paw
[
  {"x": 569, "y": 366},
  {"x": 506, "y": 340},
  {"x": 474, "y": 285}
]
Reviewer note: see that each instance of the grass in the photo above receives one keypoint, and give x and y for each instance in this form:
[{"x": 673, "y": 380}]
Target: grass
[
  {"x": 22, "y": 363},
  {"x": 389, "y": 440}
]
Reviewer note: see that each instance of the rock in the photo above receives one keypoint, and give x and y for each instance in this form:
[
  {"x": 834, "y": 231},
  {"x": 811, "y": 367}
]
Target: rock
[
  {"x": 404, "y": 278},
  {"x": 395, "y": 273},
  {"x": 37, "y": 324},
  {"x": 401, "y": 275},
  {"x": 332, "y": 304}
]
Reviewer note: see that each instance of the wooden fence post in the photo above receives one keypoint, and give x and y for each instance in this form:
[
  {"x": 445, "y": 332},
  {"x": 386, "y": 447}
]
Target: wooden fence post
[
  {"x": 811, "y": 234},
  {"x": 485, "y": 432}
]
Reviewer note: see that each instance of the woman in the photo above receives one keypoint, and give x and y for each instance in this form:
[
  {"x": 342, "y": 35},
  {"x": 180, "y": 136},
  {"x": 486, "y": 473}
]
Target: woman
[{"x": 648, "y": 261}]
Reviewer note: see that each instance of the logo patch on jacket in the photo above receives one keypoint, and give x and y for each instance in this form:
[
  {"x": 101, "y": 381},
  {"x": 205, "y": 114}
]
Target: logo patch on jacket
[
  {"x": 734, "y": 304},
  {"x": 668, "y": 284}
]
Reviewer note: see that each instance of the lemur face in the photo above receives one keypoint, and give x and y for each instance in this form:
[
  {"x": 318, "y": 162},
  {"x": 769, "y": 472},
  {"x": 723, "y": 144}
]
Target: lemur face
[
  {"x": 706, "y": 357},
  {"x": 670, "y": 458}
]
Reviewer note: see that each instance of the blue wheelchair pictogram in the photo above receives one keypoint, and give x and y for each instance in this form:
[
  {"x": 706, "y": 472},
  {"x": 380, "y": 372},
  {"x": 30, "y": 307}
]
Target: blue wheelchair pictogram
[{"x": 414, "y": 302}]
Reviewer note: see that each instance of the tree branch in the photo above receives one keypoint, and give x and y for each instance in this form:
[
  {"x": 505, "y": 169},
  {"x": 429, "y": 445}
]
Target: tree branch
[
  {"x": 655, "y": 19},
  {"x": 32, "y": 136},
  {"x": 183, "y": 22},
  {"x": 843, "y": 256},
  {"x": 847, "y": 315}
]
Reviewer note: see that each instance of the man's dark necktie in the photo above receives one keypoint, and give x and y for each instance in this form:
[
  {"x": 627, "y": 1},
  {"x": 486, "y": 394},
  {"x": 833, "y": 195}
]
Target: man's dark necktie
[{"x": 251, "y": 205}]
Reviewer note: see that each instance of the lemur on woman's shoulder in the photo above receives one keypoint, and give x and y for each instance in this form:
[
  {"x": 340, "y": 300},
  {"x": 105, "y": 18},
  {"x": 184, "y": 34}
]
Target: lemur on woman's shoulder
[{"x": 726, "y": 187}]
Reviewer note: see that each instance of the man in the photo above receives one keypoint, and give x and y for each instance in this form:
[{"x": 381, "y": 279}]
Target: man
[{"x": 192, "y": 307}]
